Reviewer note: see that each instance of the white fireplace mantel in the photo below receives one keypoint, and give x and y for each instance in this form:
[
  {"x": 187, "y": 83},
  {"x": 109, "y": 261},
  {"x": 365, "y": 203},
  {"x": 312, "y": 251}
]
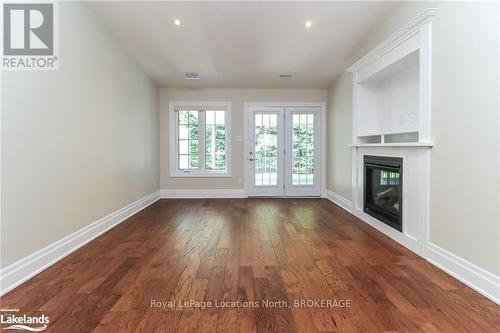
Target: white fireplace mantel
[{"x": 396, "y": 144}]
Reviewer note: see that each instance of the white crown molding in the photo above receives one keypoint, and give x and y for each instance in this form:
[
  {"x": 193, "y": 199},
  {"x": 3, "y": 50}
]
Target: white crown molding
[
  {"x": 24, "y": 269},
  {"x": 395, "y": 39},
  {"x": 203, "y": 193}
]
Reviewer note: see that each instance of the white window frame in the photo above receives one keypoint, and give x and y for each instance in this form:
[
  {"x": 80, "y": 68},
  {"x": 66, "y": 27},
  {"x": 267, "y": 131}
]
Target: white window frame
[{"x": 174, "y": 134}]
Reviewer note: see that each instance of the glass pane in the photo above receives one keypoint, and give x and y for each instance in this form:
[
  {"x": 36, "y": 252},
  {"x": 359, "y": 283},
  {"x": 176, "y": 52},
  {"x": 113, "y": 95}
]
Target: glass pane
[
  {"x": 272, "y": 121},
  {"x": 183, "y": 162},
  {"x": 188, "y": 139},
  {"x": 193, "y": 117},
  {"x": 183, "y": 147},
  {"x": 220, "y": 139},
  {"x": 266, "y": 149},
  {"x": 303, "y": 119},
  {"x": 265, "y": 120},
  {"x": 183, "y": 117},
  {"x": 219, "y": 117},
  {"x": 383, "y": 188},
  {"x": 215, "y": 141},
  {"x": 210, "y": 117},
  {"x": 303, "y": 149},
  {"x": 193, "y": 162},
  {"x": 193, "y": 147},
  {"x": 193, "y": 132},
  {"x": 310, "y": 120},
  {"x": 183, "y": 132},
  {"x": 258, "y": 120},
  {"x": 220, "y": 161}
]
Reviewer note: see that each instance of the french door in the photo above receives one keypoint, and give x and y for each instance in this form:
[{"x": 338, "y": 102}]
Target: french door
[{"x": 283, "y": 151}]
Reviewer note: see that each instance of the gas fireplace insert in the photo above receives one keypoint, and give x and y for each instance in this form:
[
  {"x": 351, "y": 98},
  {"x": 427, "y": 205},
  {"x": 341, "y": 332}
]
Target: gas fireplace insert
[{"x": 383, "y": 189}]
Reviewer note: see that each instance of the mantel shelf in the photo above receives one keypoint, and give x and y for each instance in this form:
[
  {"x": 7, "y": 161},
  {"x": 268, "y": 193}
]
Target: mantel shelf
[{"x": 401, "y": 144}]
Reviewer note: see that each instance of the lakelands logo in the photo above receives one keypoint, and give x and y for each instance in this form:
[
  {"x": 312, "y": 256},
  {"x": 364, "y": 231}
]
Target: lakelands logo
[
  {"x": 24, "y": 322},
  {"x": 30, "y": 36}
]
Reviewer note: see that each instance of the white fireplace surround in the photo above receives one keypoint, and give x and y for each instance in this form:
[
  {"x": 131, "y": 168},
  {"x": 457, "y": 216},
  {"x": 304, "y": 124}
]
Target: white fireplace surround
[
  {"x": 392, "y": 117},
  {"x": 415, "y": 205}
]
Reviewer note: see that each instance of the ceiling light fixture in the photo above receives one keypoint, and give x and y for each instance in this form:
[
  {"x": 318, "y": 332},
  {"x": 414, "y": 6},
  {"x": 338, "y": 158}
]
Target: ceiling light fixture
[
  {"x": 308, "y": 24},
  {"x": 177, "y": 22}
]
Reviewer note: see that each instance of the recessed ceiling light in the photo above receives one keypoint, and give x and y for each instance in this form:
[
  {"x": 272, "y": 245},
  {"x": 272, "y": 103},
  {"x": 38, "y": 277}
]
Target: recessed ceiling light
[
  {"x": 308, "y": 24},
  {"x": 177, "y": 22}
]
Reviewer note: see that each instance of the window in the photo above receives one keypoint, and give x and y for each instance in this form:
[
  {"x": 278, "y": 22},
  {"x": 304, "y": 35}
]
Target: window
[{"x": 200, "y": 142}]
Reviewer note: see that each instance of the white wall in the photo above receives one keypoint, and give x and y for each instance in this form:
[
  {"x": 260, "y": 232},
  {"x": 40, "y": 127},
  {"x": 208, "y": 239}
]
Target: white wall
[
  {"x": 237, "y": 97},
  {"x": 77, "y": 143},
  {"x": 465, "y": 171},
  {"x": 339, "y": 134}
]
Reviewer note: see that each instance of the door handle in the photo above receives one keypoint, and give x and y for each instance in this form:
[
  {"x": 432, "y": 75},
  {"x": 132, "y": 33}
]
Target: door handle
[{"x": 251, "y": 159}]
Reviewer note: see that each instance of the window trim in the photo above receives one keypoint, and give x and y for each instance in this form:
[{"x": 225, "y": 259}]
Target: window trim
[{"x": 173, "y": 139}]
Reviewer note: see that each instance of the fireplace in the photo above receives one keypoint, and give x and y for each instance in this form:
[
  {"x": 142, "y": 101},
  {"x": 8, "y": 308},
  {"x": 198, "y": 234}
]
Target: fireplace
[{"x": 383, "y": 189}]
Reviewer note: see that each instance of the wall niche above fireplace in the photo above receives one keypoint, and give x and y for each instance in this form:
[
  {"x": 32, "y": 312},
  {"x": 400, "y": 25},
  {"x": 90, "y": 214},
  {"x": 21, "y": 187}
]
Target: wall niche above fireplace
[{"x": 391, "y": 88}]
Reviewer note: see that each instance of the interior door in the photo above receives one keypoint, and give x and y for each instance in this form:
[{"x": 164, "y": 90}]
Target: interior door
[
  {"x": 302, "y": 151},
  {"x": 265, "y": 151}
]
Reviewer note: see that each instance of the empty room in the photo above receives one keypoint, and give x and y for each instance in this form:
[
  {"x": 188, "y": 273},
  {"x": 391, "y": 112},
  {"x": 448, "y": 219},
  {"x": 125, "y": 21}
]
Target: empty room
[{"x": 250, "y": 166}]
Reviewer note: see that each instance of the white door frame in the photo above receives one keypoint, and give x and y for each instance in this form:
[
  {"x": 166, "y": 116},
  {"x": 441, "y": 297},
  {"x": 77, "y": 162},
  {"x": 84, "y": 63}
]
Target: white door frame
[{"x": 322, "y": 106}]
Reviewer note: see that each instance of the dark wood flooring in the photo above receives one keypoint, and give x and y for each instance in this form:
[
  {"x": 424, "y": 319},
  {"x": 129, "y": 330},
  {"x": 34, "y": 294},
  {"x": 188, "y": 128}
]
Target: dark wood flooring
[{"x": 256, "y": 251}]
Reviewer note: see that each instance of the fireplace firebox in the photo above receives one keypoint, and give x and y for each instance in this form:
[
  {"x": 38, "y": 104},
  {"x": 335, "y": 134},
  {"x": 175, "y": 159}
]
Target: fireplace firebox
[{"x": 383, "y": 189}]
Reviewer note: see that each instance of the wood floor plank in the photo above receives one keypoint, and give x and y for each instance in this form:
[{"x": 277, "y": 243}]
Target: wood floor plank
[{"x": 255, "y": 252}]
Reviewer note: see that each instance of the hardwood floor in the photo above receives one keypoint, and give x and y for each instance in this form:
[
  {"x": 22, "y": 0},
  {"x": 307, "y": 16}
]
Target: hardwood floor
[{"x": 255, "y": 251}]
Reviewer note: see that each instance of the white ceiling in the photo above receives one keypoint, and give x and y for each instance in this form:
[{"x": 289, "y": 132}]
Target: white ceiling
[{"x": 242, "y": 44}]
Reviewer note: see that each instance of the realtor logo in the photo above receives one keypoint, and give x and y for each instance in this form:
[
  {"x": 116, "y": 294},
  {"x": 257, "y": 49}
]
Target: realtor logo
[
  {"x": 10, "y": 319},
  {"x": 29, "y": 36},
  {"x": 28, "y": 29}
]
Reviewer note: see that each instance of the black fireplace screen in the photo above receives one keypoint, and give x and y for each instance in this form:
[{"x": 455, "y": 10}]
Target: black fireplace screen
[{"x": 383, "y": 188}]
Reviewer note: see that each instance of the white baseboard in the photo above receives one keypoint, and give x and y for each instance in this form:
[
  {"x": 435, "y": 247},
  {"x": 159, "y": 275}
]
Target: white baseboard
[
  {"x": 203, "y": 193},
  {"x": 24, "y": 269},
  {"x": 406, "y": 240},
  {"x": 484, "y": 282},
  {"x": 479, "y": 279},
  {"x": 339, "y": 200}
]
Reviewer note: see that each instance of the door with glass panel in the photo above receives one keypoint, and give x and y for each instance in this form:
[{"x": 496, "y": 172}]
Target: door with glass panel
[
  {"x": 302, "y": 151},
  {"x": 283, "y": 151},
  {"x": 265, "y": 151}
]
